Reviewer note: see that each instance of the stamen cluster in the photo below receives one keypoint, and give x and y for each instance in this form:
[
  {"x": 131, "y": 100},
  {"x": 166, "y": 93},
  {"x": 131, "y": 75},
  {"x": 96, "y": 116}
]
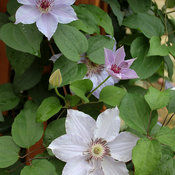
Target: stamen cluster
[
  {"x": 44, "y": 5},
  {"x": 92, "y": 67},
  {"x": 98, "y": 148}
]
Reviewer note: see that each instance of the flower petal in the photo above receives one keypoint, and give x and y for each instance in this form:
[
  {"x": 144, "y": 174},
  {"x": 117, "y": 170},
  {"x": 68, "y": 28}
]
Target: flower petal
[
  {"x": 64, "y": 13},
  {"x": 55, "y": 57},
  {"x": 108, "y": 125},
  {"x": 65, "y": 2},
  {"x": 97, "y": 79},
  {"x": 68, "y": 146},
  {"x": 27, "y": 14},
  {"x": 76, "y": 166},
  {"x": 80, "y": 124},
  {"x": 109, "y": 57},
  {"x": 47, "y": 24},
  {"x": 130, "y": 61},
  {"x": 112, "y": 167},
  {"x": 98, "y": 171},
  {"x": 128, "y": 74},
  {"x": 27, "y": 2},
  {"x": 121, "y": 147},
  {"x": 119, "y": 55}
]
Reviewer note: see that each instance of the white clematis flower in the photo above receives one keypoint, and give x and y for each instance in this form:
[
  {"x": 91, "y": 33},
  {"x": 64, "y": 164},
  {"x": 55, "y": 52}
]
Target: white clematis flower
[
  {"x": 92, "y": 147},
  {"x": 46, "y": 13}
]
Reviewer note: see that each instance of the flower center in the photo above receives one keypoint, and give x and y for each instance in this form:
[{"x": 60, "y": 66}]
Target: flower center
[
  {"x": 98, "y": 149},
  {"x": 44, "y": 5},
  {"x": 92, "y": 67},
  {"x": 115, "y": 68}
]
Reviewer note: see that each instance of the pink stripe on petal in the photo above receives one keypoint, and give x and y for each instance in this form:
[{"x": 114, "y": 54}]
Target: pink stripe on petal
[
  {"x": 47, "y": 24},
  {"x": 119, "y": 55},
  {"x": 109, "y": 57}
]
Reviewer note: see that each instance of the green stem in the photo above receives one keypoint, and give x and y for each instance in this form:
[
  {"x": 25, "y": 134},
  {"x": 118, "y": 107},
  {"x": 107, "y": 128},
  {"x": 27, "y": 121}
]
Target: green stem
[
  {"x": 56, "y": 90},
  {"x": 165, "y": 120},
  {"x": 170, "y": 119},
  {"x": 149, "y": 123},
  {"x": 98, "y": 86},
  {"x": 170, "y": 12}
]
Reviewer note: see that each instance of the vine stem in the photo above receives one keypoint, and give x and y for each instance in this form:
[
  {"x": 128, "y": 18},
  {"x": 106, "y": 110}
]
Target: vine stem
[
  {"x": 164, "y": 120},
  {"x": 170, "y": 12},
  {"x": 56, "y": 90},
  {"x": 150, "y": 116},
  {"x": 170, "y": 119},
  {"x": 98, "y": 86}
]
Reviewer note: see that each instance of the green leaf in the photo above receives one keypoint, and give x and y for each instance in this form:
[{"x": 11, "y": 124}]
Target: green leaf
[
  {"x": 3, "y": 19},
  {"x": 59, "y": 165},
  {"x": 19, "y": 61},
  {"x": 29, "y": 79},
  {"x": 166, "y": 136},
  {"x": 157, "y": 99},
  {"x": 25, "y": 131},
  {"x": 112, "y": 95},
  {"x": 71, "y": 42},
  {"x": 115, "y": 6},
  {"x": 55, "y": 129},
  {"x": 139, "y": 47},
  {"x": 172, "y": 50},
  {"x": 96, "y": 48},
  {"x": 12, "y": 6},
  {"x": 165, "y": 167},
  {"x": 1, "y": 117},
  {"x": 81, "y": 87},
  {"x": 171, "y": 104},
  {"x": 8, "y": 99},
  {"x": 156, "y": 48},
  {"x": 102, "y": 18},
  {"x": 86, "y": 20},
  {"x": 70, "y": 71},
  {"x": 48, "y": 108},
  {"x": 25, "y": 38},
  {"x": 8, "y": 151},
  {"x": 170, "y": 3},
  {"x": 136, "y": 113},
  {"x": 138, "y": 7},
  {"x": 72, "y": 100},
  {"x": 82, "y": 70},
  {"x": 146, "y": 156},
  {"x": 169, "y": 66},
  {"x": 39, "y": 167},
  {"x": 144, "y": 66},
  {"x": 149, "y": 25}
]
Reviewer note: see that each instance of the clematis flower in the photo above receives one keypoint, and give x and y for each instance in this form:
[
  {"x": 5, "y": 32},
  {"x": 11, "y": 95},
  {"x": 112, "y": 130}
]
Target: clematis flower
[
  {"x": 46, "y": 13},
  {"x": 94, "y": 147},
  {"x": 97, "y": 74},
  {"x": 117, "y": 67}
]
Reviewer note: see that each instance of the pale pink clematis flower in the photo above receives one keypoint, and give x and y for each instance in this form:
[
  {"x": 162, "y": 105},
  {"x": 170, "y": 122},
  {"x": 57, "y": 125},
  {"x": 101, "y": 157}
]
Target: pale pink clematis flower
[
  {"x": 97, "y": 74},
  {"x": 117, "y": 67},
  {"x": 46, "y": 13},
  {"x": 92, "y": 147}
]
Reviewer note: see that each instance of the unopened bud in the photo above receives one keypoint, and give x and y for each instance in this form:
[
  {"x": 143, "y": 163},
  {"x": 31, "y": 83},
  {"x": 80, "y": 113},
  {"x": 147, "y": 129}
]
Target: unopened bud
[{"x": 56, "y": 79}]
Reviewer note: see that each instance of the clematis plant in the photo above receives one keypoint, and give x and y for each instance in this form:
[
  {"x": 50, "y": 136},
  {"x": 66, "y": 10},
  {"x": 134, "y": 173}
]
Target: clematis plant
[
  {"x": 94, "y": 148},
  {"x": 117, "y": 67},
  {"x": 46, "y": 13}
]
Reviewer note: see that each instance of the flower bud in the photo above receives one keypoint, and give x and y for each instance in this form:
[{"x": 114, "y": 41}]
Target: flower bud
[{"x": 56, "y": 79}]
